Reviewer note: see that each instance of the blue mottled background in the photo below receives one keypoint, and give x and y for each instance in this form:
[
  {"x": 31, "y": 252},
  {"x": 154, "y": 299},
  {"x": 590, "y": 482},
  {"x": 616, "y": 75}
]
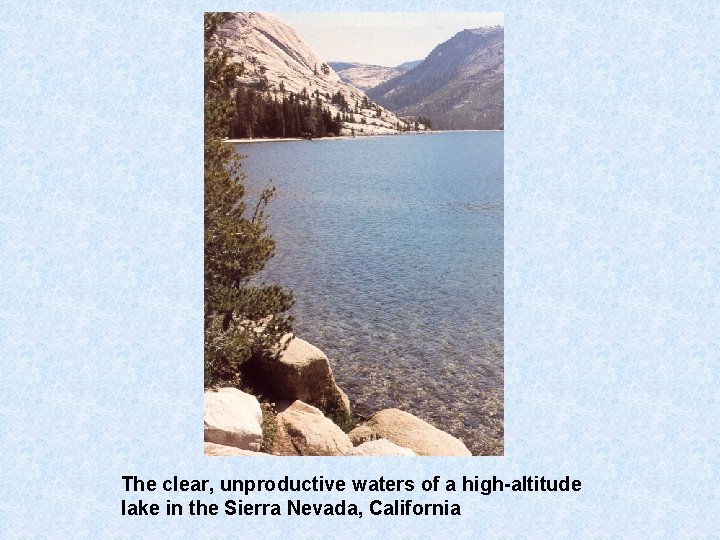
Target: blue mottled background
[{"x": 612, "y": 269}]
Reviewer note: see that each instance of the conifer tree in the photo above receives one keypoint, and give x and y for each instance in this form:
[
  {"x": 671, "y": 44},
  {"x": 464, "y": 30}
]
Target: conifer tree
[{"x": 242, "y": 314}]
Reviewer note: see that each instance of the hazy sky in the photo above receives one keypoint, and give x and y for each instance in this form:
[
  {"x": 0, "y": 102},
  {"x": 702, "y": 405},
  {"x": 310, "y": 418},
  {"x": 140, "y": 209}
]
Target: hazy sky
[{"x": 387, "y": 39}]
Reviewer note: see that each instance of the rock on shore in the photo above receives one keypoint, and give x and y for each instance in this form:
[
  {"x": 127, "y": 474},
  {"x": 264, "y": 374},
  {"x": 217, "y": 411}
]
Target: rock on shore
[
  {"x": 300, "y": 372},
  {"x": 408, "y": 431},
  {"x": 212, "y": 449},
  {"x": 309, "y": 402},
  {"x": 303, "y": 430},
  {"x": 233, "y": 418},
  {"x": 380, "y": 447}
]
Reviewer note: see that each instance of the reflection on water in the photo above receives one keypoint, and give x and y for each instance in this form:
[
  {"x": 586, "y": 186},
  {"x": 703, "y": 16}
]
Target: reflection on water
[{"x": 393, "y": 247}]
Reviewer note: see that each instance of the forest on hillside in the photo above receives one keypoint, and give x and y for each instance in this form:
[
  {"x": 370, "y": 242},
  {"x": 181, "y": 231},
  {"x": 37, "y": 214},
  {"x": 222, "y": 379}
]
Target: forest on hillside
[
  {"x": 265, "y": 114},
  {"x": 261, "y": 114}
]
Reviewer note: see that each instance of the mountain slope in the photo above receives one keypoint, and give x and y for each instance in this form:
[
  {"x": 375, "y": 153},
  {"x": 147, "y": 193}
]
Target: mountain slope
[
  {"x": 405, "y": 66},
  {"x": 460, "y": 85},
  {"x": 277, "y": 62},
  {"x": 365, "y": 76}
]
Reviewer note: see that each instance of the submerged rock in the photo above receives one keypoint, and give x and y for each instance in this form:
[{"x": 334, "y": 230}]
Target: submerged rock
[
  {"x": 408, "y": 431},
  {"x": 233, "y": 418},
  {"x": 303, "y": 430},
  {"x": 380, "y": 447},
  {"x": 300, "y": 372}
]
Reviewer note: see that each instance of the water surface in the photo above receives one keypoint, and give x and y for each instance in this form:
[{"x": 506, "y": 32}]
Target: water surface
[{"x": 393, "y": 248}]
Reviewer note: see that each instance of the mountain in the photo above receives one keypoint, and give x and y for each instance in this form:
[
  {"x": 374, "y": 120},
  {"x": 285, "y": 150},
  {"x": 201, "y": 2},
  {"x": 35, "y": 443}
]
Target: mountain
[
  {"x": 460, "y": 85},
  {"x": 365, "y": 76},
  {"x": 405, "y": 66},
  {"x": 278, "y": 65},
  {"x": 341, "y": 66}
]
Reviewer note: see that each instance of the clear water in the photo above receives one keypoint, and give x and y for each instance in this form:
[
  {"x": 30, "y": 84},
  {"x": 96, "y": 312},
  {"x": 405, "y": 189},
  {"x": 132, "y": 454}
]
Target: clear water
[{"x": 393, "y": 247}]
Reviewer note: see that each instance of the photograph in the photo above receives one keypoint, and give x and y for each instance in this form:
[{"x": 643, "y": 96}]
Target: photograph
[{"x": 353, "y": 234}]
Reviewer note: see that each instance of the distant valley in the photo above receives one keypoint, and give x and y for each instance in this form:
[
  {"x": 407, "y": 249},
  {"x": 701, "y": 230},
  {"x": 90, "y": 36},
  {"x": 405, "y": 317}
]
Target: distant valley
[
  {"x": 366, "y": 76},
  {"x": 460, "y": 85}
]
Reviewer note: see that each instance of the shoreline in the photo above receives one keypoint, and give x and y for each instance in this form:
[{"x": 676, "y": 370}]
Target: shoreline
[{"x": 350, "y": 137}]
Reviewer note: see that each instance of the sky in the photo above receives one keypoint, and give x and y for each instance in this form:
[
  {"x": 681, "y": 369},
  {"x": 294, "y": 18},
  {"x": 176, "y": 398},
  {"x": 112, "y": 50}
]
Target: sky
[{"x": 386, "y": 39}]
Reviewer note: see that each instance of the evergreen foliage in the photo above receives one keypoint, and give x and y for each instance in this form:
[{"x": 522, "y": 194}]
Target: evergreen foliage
[
  {"x": 339, "y": 100},
  {"x": 425, "y": 121},
  {"x": 242, "y": 314},
  {"x": 259, "y": 114}
]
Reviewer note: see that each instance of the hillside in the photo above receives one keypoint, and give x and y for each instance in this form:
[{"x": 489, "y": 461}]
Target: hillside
[
  {"x": 280, "y": 67},
  {"x": 365, "y": 76},
  {"x": 460, "y": 85},
  {"x": 405, "y": 66}
]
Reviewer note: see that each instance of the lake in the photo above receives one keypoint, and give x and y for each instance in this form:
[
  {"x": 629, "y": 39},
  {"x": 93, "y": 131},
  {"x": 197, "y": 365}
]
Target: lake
[{"x": 393, "y": 248}]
